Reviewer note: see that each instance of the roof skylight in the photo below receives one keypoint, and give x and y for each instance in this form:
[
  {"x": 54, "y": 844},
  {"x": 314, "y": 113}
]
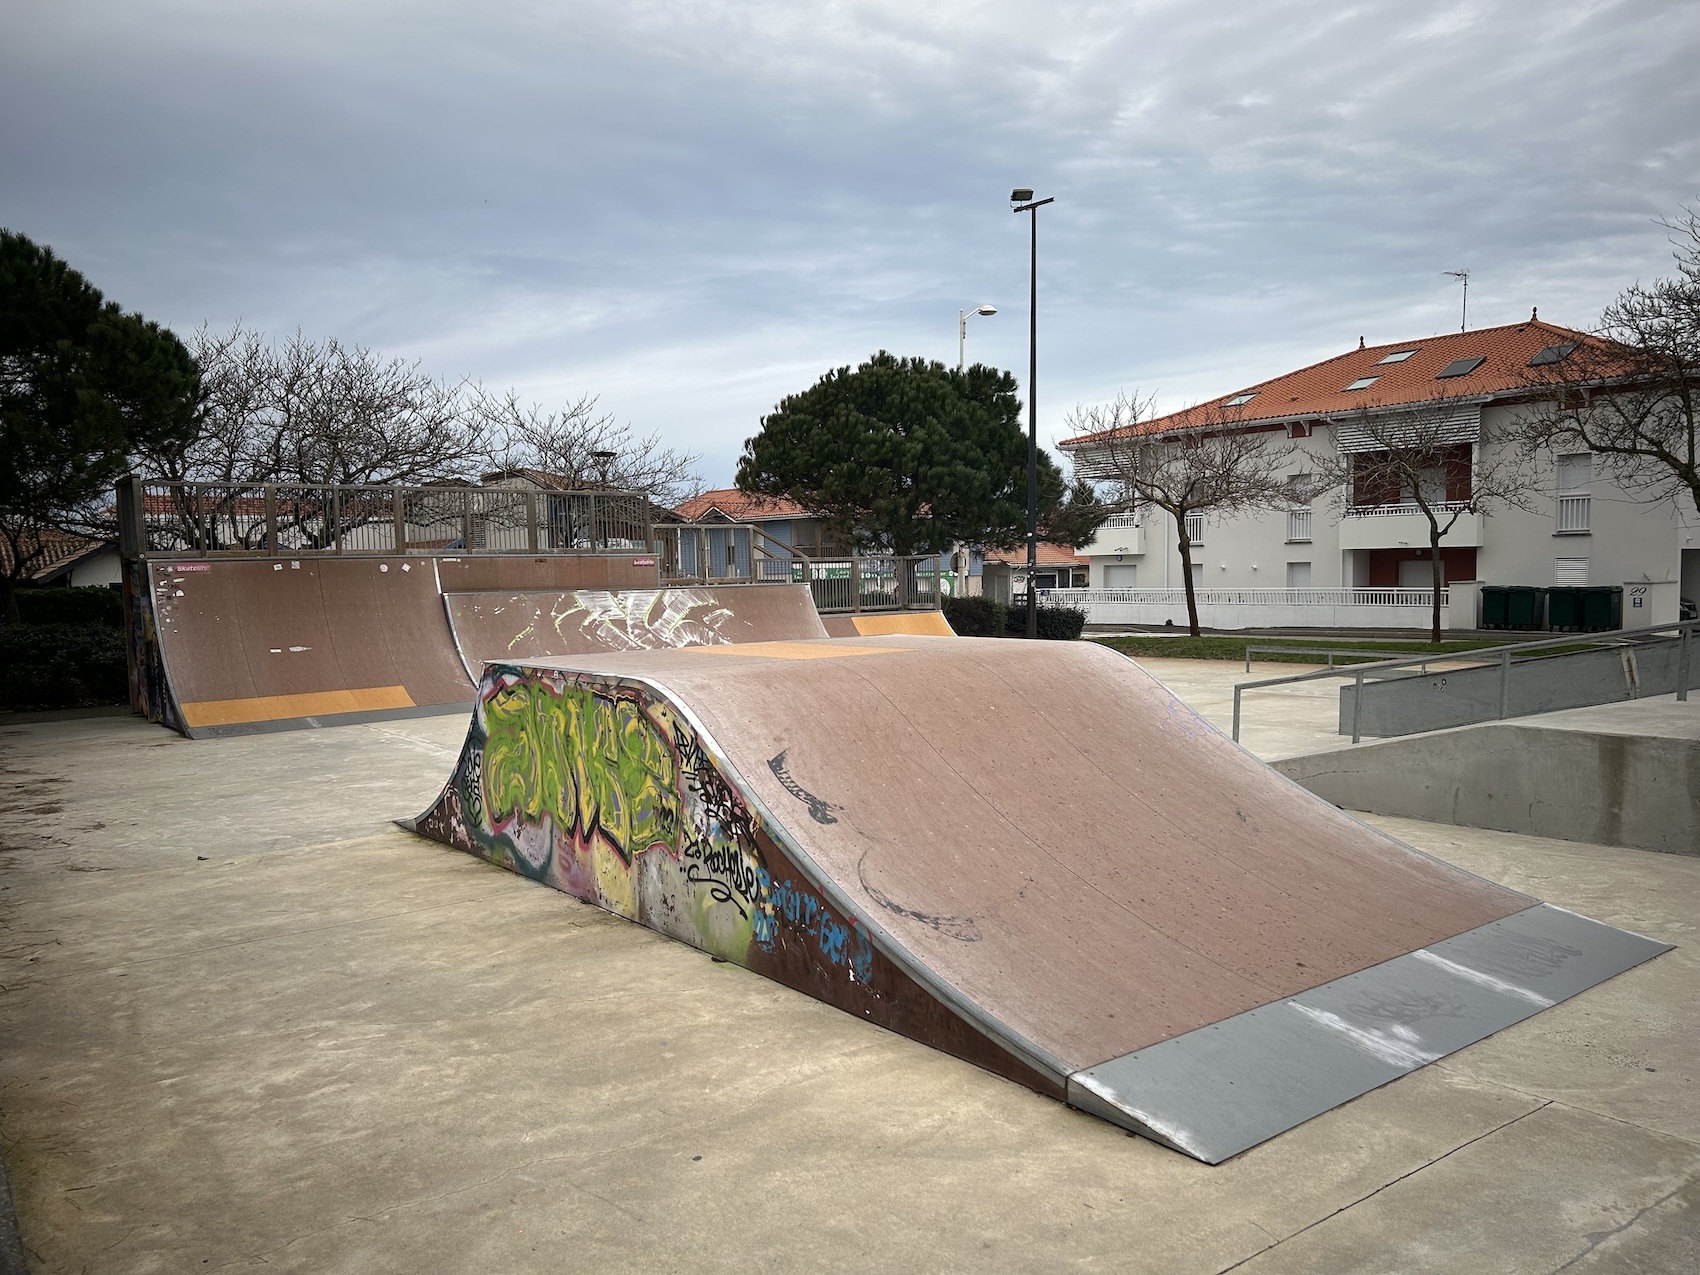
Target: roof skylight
[
  {"x": 1552, "y": 354},
  {"x": 1398, "y": 356},
  {"x": 1239, "y": 400},
  {"x": 1363, "y": 382},
  {"x": 1461, "y": 367}
]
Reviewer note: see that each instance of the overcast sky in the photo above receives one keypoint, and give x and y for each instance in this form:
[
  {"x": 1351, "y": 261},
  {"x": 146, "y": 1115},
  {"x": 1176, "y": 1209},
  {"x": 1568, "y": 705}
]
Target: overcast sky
[{"x": 693, "y": 209}]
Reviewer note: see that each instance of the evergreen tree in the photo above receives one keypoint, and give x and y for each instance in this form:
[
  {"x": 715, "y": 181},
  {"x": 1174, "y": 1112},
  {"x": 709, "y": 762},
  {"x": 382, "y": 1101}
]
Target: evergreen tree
[
  {"x": 904, "y": 455},
  {"x": 82, "y": 387}
]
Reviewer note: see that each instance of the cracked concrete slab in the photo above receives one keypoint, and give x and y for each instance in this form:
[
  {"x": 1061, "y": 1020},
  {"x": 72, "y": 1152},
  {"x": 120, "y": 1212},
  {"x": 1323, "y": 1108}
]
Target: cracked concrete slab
[{"x": 329, "y": 1045}]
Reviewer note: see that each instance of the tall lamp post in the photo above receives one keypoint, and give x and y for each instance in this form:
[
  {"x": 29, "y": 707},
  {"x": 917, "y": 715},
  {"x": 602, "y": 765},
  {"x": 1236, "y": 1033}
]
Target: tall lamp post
[
  {"x": 962, "y": 330},
  {"x": 1024, "y": 202}
]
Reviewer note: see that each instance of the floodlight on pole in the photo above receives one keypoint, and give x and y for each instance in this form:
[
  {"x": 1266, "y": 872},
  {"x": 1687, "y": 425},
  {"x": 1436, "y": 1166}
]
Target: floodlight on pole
[
  {"x": 1022, "y": 198},
  {"x": 962, "y": 330}
]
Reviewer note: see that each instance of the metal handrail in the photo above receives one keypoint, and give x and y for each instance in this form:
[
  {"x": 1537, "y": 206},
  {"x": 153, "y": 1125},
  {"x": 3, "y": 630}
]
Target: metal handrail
[
  {"x": 1683, "y": 628},
  {"x": 1332, "y": 651}
]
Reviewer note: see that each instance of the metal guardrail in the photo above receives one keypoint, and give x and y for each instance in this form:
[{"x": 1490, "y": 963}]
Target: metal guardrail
[
  {"x": 300, "y": 520},
  {"x": 1478, "y": 658},
  {"x": 1330, "y": 651}
]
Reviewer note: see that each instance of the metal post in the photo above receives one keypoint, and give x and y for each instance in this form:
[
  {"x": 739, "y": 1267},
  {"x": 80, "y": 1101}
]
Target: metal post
[
  {"x": 531, "y": 521},
  {"x": 1357, "y": 705},
  {"x": 398, "y": 513},
  {"x": 271, "y": 519},
  {"x": 595, "y": 538},
  {"x": 855, "y": 582},
  {"x": 1682, "y": 665},
  {"x": 334, "y": 527},
  {"x": 1237, "y": 705},
  {"x": 1033, "y": 431},
  {"x": 1504, "y": 684}
]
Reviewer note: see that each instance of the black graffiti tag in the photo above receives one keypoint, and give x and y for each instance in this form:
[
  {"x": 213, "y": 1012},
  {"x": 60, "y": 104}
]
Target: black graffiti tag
[{"x": 820, "y": 810}]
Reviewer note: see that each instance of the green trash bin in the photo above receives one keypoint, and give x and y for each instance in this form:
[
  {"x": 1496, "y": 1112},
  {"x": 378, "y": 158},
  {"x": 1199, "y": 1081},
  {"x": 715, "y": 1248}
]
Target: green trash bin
[
  {"x": 1602, "y": 607},
  {"x": 1525, "y": 607},
  {"x": 1564, "y": 608},
  {"x": 1493, "y": 606}
]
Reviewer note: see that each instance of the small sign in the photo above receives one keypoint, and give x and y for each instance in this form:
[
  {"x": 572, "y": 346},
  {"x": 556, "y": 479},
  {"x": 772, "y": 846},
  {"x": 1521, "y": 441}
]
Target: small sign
[
  {"x": 643, "y": 562},
  {"x": 191, "y": 568},
  {"x": 1635, "y": 602}
]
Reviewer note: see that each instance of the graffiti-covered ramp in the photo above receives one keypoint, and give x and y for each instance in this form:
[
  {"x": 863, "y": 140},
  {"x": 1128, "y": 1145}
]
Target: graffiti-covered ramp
[
  {"x": 495, "y": 625},
  {"x": 1029, "y": 854}
]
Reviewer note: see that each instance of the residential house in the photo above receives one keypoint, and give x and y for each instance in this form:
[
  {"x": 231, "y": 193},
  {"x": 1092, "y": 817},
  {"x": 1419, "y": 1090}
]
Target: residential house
[
  {"x": 1361, "y": 558},
  {"x": 1055, "y": 567}
]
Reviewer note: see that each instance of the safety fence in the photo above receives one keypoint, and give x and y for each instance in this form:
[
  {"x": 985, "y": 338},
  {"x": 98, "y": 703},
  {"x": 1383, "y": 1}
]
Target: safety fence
[{"x": 271, "y": 519}]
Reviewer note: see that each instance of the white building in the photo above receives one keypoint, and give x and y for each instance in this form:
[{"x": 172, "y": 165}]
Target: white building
[{"x": 1352, "y": 562}]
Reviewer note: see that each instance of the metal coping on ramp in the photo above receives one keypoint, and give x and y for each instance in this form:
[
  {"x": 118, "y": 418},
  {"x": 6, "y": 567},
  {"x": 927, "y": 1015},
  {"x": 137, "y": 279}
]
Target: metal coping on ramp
[{"x": 650, "y": 786}]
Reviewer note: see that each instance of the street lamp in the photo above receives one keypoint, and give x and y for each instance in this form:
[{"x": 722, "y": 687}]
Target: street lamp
[
  {"x": 962, "y": 329},
  {"x": 1024, "y": 202}
]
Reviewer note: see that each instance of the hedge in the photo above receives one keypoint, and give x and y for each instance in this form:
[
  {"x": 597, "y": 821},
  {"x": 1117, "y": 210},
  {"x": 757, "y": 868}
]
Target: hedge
[
  {"x": 89, "y": 605},
  {"x": 1062, "y": 624},
  {"x": 61, "y": 666},
  {"x": 975, "y": 617}
]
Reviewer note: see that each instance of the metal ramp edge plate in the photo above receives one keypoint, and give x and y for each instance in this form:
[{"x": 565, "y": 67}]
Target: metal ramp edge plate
[{"x": 1218, "y": 1090}]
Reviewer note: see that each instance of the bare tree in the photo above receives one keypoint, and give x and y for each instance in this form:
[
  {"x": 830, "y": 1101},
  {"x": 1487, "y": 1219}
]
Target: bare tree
[
  {"x": 1430, "y": 457},
  {"x": 577, "y": 447},
  {"x": 1632, "y": 397},
  {"x": 1208, "y": 463}
]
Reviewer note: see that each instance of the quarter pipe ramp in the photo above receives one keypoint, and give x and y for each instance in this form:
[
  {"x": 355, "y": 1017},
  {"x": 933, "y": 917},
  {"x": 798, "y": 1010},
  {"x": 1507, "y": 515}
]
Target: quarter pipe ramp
[
  {"x": 1029, "y": 855},
  {"x": 227, "y": 646}
]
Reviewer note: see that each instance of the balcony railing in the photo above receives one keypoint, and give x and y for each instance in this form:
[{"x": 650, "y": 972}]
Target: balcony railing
[
  {"x": 1572, "y": 514},
  {"x": 1259, "y": 597},
  {"x": 1298, "y": 526},
  {"x": 1403, "y": 510},
  {"x": 1120, "y": 522}
]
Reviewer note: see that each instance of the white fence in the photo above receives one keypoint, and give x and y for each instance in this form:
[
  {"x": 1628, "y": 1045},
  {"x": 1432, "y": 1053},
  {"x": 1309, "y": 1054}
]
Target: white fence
[{"x": 1259, "y": 608}]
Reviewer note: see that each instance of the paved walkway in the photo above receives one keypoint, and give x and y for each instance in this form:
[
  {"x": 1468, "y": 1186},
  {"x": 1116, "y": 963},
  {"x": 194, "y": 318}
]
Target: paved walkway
[{"x": 247, "y": 1023}]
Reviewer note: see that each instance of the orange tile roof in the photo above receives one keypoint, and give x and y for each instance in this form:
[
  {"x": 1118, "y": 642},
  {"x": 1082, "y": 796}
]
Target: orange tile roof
[
  {"x": 1320, "y": 389},
  {"x": 738, "y": 506},
  {"x": 1049, "y": 555}
]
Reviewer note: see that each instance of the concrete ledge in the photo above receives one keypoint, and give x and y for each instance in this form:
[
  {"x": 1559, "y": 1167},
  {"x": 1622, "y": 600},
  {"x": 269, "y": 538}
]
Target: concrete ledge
[{"x": 1575, "y": 781}]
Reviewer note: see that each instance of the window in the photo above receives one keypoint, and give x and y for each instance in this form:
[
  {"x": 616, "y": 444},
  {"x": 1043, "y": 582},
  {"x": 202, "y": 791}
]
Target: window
[
  {"x": 1298, "y": 575},
  {"x": 1460, "y": 367},
  {"x": 1122, "y": 576},
  {"x": 1552, "y": 354},
  {"x": 1240, "y": 400},
  {"x": 1570, "y": 571},
  {"x": 1195, "y": 528},
  {"x": 1397, "y": 357},
  {"x": 1363, "y": 382},
  {"x": 1575, "y": 476}
]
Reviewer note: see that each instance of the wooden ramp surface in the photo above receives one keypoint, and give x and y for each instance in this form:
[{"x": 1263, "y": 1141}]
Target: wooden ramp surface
[
  {"x": 539, "y": 624},
  {"x": 1038, "y": 837}
]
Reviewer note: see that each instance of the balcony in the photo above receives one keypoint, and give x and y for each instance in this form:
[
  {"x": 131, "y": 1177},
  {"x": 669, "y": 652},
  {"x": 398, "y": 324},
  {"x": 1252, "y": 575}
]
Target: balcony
[
  {"x": 1120, "y": 534},
  {"x": 1298, "y": 526},
  {"x": 1404, "y": 527}
]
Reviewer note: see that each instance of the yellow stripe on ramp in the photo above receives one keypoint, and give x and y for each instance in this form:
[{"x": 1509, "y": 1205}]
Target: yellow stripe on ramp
[
  {"x": 273, "y": 708},
  {"x": 919, "y": 623},
  {"x": 795, "y": 650}
]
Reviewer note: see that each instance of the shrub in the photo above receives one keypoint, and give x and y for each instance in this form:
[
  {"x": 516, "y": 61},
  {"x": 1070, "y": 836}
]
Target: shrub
[
  {"x": 95, "y": 605},
  {"x": 1061, "y": 624},
  {"x": 61, "y": 666},
  {"x": 975, "y": 617}
]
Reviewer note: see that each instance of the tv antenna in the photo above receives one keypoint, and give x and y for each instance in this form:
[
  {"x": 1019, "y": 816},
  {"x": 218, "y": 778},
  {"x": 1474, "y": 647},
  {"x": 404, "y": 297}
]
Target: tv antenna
[{"x": 1462, "y": 276}]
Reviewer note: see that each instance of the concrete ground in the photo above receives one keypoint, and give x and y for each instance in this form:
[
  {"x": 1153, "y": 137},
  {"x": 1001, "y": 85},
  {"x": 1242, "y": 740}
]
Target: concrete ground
[{"x": 247, "y": 1022}]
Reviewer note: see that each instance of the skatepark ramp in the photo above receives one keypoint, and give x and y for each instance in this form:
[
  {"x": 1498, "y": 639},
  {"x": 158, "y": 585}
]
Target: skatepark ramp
[
  {"x": 236, "y": 645},
  {"x": 1028, "y": 855}
]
